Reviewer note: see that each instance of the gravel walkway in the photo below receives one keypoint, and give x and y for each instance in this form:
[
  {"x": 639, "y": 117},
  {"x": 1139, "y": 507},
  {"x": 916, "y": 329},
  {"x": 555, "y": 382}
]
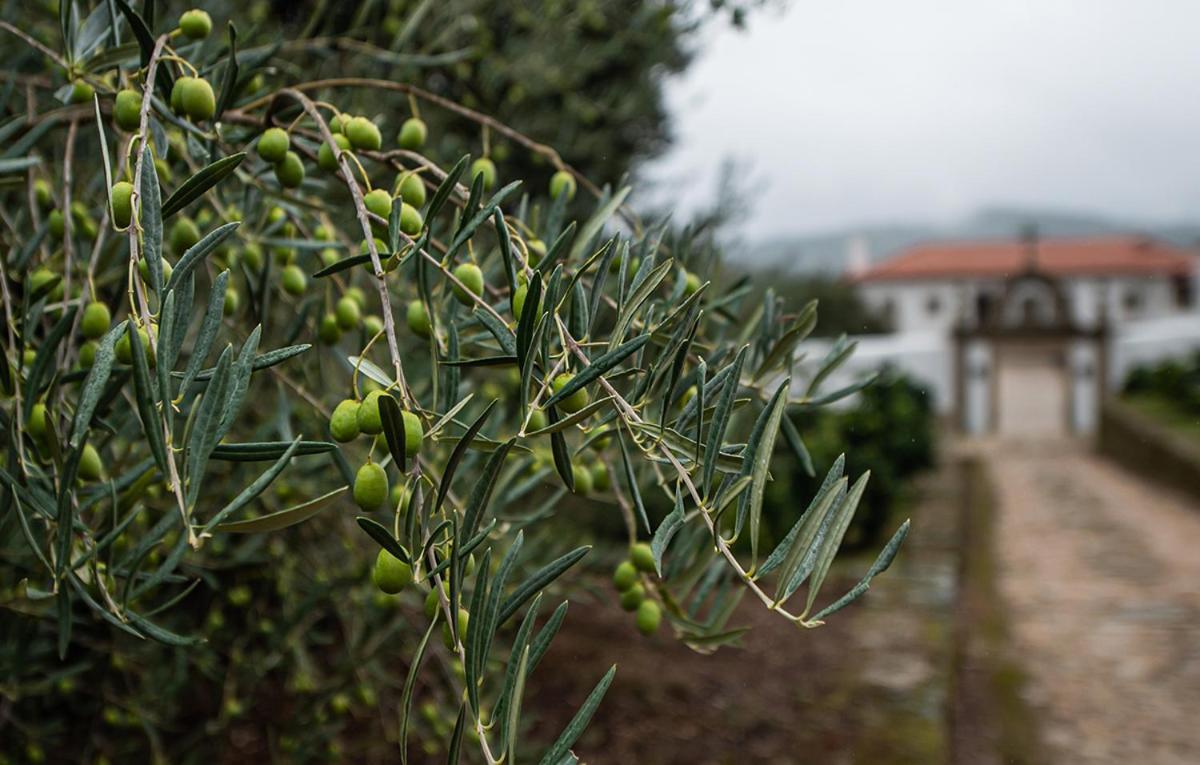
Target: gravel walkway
[{"x": 1101, "y": 572}]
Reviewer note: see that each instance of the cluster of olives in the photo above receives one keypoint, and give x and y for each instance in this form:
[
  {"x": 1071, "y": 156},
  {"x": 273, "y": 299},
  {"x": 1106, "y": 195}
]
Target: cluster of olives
[
  {"x": 56, "y": 221},
  {"x": 352, "y": 418},
  {"x": 274, "y": 148},
  {"x": 627, "y": 579}
]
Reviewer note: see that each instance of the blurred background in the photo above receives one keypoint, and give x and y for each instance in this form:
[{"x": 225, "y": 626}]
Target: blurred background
[{"x": 995, "y": 203}]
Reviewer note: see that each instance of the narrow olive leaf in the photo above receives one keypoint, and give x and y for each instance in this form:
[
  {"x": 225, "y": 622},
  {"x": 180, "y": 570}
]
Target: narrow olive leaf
[
  {"x": 505, "y": 241},
  {"x": 455, "y": 744},
  {"x": 803, "y": 326},
  {"x": 630, "y": 309},
  {"x": 514, "y": 670},
  {"x": 833, "y": 540},
  {"x": 195, "y": 254},
  {"x": 264, "y": 360},
  {"x": 598, "y": 367},
  {"x": 803, "y": 543},
  {"x": 283, "y": 518},
  {"x": 383, "y": 537},
  {"x": 596, "y": 223},
  {"x": 393, "y": 430},
  {"x": 557, "y": 249},
  {"x": 66, "y": 512},
  {"x": 573, "y": 418},
  {"x": 164, "y": 81},
  {"x": 560, "y": 451},
  {"x": 448, "y": 417},
  {"x": 372, "y": 370},
  {"x": 777, "y": 556},
  {"x": 446, "y": 187},
  {"x": 208, "y": 331},
  {"x": 631, "y": 482},
  {"x": 229, "y": 80},
  {"x": 579, "y": 722},
  {"x": 701, "y": 375},
  {"x": 687, "y": 334},
  {"x": 46, "y": 353},
  {"x": 262, "y": 451},
  {"x": 144, "y": 397},
  {"x": 538, "y": 581},
  {"x": 474, "y": 638},
  {"x": 93, "y": 384},
  {"x": 499, "y": 330},
  {"x": 880, "y": 565},
  {"x": 666, "y": 530},
  {"x": 460, "y": 449},
  {"x": 489, "y": 620},
  {"x": 481, "y": 492},
  {"x": 256, "y": 487},
  {"x": 410, "y": 685},
  {"x": 758, "y": 459},
  {"x": 530, "y": 360},
  {"x": 838, "y": 353},
  {"x": 239, "y": 383},
  {"x": 720, "y": 421},
  {"x": 577, "y": 320},
  {"x": 205, "y": 422},
  {"x": 104, "y": 157},
  {"x": 150, "y": 206},
  {"x": 839, "y": 394},
  {"x": 530, "y": 313},
  {"x": 486, "y": 361},
  {"x": 601, "y": 277},
  {"x": 467, "y": 229},
  {"x": 204, "y": 179},
  {"x": 342, "y": 265},
  {"x": 513, "y": 718},
  {"x": 792, "y": 436}
]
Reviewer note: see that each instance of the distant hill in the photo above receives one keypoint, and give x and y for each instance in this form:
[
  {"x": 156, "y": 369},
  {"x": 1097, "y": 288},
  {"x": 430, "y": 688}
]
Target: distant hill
[{"x": 827, "y": 253}]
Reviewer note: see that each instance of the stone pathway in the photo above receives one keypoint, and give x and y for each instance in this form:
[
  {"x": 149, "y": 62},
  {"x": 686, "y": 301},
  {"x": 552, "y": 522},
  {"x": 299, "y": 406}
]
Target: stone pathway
[{"x": 1100, "y": 572}]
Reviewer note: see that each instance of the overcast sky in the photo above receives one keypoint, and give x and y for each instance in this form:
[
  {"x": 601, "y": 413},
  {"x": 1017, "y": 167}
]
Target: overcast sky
[{"x": 870, "y": 111}]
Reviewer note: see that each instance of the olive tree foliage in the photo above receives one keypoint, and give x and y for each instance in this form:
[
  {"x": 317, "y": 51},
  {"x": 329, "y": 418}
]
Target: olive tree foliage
[{"x": 210, "y": 292}]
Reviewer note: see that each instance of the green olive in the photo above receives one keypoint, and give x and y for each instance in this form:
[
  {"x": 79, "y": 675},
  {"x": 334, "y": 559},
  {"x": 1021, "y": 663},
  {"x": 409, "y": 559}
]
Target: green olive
[
  {"x": 369, "y": 419},
  {"x": 411, "y": 189},
  {"x": 418, "y": 319},
  {"x": 122, "y": 204},
  {"x": 411, "y": 222},
  {"x": 329, "y": 331},
  {"x": 601, "y": 481},
  {"x": 348, "y": 313},
  {"x": 649, "y": 616},
  {"x": 642, "y": 557},
  {"x": 343, "y": 423},
  {"x": 39, "y": 423},
  {"x": 561, "y": 183},
  {"x": 41, "y": 278},
  {"x": 290, "y": 171},
  {"x": 57, "y": 223},
  {"x": 412, "y": 134},
  {"x": 370, "y": 486},
  {"x": 96, "y": 320},
  {"x": 433, "y": 603},
  {"x": 633, "y": 598},
  {"x": 177, "y": 93},
  {"x": 198, "y": 100},
  {"x": 42, "y": 194},
  {"x": 81, "y": 92},
  {"x": 124, "y": 352},
  {"x": 372, "y": 325},
  {"x": 87, "y": 354},
  {"x": 464, "y": 623},
  {"x": 486, "y": 168},
  {"x": 196, "y": 24},
  {"x": 90, "y": 467},
  {"x": 691, "y": 283},
  {"x": 127, "y": 110},
  {"x": 518, "y": 301},
  {"x": 391, "y": 574},
  {"x": 363, "y": 134},
  {"x": 326, "y": 159},
  {"x": 625, "y": 576},
  {"x": 469, "y": 275},
  {"x": 273, "y": 145},
  {"x": 232, "y": 300},
  {"x": 414, "y": 434},
  {"x": 583, "y": 480},
  {"x": 294, "y": 280},
  {"x": 574, "y": 402},
  {"x": 184, "y": 234}
]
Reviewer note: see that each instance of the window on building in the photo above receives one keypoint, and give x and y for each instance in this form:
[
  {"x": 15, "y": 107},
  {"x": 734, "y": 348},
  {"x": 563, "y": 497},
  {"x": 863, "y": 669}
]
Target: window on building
[
  {"x": 933, "y": 305},
  {"x": 1132, "y": 300},
  {"x": 1184, "y": 293}
]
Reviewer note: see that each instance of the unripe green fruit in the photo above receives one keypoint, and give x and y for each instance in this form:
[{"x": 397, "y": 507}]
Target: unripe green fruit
[
  {"x": 357, "y": 295},
  {"x": 485, "y": 167},
  {"x": 337, "y": 123},
  {"x": 184, "y": 234},
  {"x": 232, "y": 301},
  {"x": 418, "y": 319},
  {"x": 363, "y": 134},
  {"x": 433, "y": 603},
  {"x": 329, "y": 256},
  {"x": 122, "y": 204},
  {"x": 198, "y": 99},
  {"x": 562, "y": 182},
  {"x": 276, "y": 215},
  {"x": 177, "y": 93},
  {"x": 290, "y": 171},
  {"x": 42, "y": 194},
  {"x": 195, "y": 24},
  {"x": 343, "y": 423},
  {"x": 391, "y": 574},
  {"x": 28, "y": 357},
  {"x": 127, "y": 110},
  {"x": 537, "y": 251},
  {"x": 642, "y": 557},
  {"x": 691, "y": 283},
  {"x": 87, "y": 354},
  {"x": 96, "y": 320},
  {"x": 294, "y": 281},
  {"x": 144, "y": 270},
  {"x": 380, "y": 250},
  {"x": 323, "y": 233},
  {"x": 401, "y": 495},
  {"x": 412, "y": 134},
  {"x": 370, "y": 486},
  {"x": 464, "y": 623},
  {"x": 625, "y": 576},
  {"x": 372, "y": 325},
  {"x": 687, "y": 396},
  {"x": 40, "y": 278},
  {"x": 57, "y": 223},
  {"x": 369, "y": 419},
  {"x": 574, "y": 402},
  {"x": 649, "y": 616},
  {"x": 414, "y": 433},
  {"x": 124, "y": 352},
  {"x": 583, "y": 480},
  {"x": 633, "y": 598},
  {"x": 90, "y": 467},
  {"x": 348, "y": 313},
  {"x": 81, "y": 92},
  {"x": 328, "y": 331},
  {"x": 252, "y": 254},
  {"x": 411, "y": 189},
  {"x": 38, "y": 424},
  {"x": 518, "y": 300},
  {"x": 379, "y": 202},
  {"x": 411, "y": 221},
  {"x": 273, "y": 145},
  {"x": 600, "y": 478},
  {"x": 472, "y": 278},
  {"x": 326, "y": 159},
  {"x": 84, "y": 224},
  {"x": 163, "y": 170},
  {"x": 537, "y": 420}
]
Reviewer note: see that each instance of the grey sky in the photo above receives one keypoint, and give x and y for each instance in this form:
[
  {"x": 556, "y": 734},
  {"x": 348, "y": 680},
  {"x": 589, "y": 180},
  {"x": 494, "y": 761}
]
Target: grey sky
[{"x": 861, "y": 111}]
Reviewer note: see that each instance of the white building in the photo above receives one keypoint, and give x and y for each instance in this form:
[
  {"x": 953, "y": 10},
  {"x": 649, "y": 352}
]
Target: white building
[{"x": 1024, "y": 336}]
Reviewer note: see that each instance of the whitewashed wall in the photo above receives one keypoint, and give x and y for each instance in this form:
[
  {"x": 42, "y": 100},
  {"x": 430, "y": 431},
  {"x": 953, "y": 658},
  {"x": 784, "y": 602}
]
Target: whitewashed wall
[{"x": 1149, "y": 341}]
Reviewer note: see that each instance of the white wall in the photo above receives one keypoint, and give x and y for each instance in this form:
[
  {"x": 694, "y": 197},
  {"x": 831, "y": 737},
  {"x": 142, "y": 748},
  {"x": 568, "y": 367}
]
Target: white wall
[
  {"x": 1150, "y": 341},
  {"x": 924, "y": 357}
]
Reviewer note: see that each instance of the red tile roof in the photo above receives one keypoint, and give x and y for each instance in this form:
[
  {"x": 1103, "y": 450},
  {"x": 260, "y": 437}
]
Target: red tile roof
[{"x": 1094, "y": 256}]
